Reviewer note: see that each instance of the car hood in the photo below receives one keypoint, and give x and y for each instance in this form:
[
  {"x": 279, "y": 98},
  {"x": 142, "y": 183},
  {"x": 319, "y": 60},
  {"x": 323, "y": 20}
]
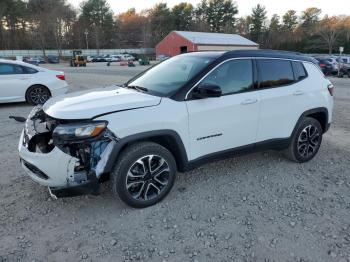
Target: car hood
[{"x": 96, "y": 102}]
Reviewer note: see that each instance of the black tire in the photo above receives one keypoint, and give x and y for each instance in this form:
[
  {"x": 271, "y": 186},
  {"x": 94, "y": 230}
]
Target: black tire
[
  {"x": 131, "y": 180},
  {"x": 306, "y": 141},
  {"x": 37, "y": 94}
]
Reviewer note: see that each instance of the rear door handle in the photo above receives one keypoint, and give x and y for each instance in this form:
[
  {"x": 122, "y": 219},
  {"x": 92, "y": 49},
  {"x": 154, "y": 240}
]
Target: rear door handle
[
  {"x": 249, "y": 101},
  {"x": 298, "y": 93}
]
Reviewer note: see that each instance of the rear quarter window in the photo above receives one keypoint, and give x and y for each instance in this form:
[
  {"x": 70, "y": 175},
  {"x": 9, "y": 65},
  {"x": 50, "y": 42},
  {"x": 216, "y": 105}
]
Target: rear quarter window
[
  {"x": 29, "y": 70},
  {"x": 275, "y": 72},
  {"x": 299, "y": 71}
]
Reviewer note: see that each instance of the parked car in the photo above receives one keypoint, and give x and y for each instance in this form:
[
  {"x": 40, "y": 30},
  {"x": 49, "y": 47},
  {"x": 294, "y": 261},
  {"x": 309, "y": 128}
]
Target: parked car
[
  {"x": 325, "y": 66},
  {"x": 40, "y": 59},
  {"x": 181, "y": 113},
  {"x": 53, "y": 59},
  {"x": 343, "y": 59},
  {"x": 346, "y": 59},
  {"x": 100, "y": 58},
  {"x": 127, "y": 57},
  {"x": 90, "y": 58},
  {"x": 114, "y": 58},
  {"x": 344, "y": 70},
  {"x": 334, "y": 63},
  {"x": 162, "y": 57},
  {"x": 21, "y": 81},
  {"x": 31, "y": 60}
]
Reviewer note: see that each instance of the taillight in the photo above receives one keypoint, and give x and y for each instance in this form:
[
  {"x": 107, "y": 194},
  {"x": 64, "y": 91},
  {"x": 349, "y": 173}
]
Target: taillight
[
  {"x": 322, "y": 65},
  {"x": 330, "y": 89},
  {"x": 62, "y": 77}
]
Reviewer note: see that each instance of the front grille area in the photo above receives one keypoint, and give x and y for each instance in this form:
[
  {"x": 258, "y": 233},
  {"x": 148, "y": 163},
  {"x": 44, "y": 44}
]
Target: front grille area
[{"x": 35, "y": 170}]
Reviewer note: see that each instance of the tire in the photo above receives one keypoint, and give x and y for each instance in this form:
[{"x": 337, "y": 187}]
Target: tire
[
  {"x": 306, "y": 141},
  {"x": 37, "y": 94},
  {"x": 136, "y": 187}
]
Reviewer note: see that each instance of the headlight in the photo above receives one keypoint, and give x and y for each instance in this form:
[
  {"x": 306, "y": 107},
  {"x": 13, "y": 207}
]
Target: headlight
[{"x": 78, "y": 131}]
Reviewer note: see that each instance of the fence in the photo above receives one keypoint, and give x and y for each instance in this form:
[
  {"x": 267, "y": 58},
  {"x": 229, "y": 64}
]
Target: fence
[{"x": 66, "y": 53}]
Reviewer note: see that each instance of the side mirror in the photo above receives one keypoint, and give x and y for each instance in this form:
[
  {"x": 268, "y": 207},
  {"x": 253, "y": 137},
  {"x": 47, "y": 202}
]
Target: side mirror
[{"x": 206, "y": 91}]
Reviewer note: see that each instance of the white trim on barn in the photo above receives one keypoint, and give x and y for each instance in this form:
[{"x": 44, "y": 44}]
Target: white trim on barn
[
  {"x": 223, "y": 47},
  {"x": 217, "y": 39}
]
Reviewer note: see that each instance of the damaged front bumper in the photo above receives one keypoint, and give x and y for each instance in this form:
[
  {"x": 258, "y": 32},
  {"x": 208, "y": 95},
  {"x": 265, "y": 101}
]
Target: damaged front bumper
[{"x": 68, "y": 170}]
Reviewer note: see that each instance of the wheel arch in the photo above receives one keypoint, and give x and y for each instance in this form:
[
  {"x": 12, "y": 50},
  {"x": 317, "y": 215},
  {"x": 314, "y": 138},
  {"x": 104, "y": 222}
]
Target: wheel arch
[
  {"x": 320, "y": 114},
  {"x": 166, "y": 138}
]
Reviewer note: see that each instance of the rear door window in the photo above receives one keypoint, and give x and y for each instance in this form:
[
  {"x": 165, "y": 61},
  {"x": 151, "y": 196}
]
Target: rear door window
[{"x": 275, "y": 73}]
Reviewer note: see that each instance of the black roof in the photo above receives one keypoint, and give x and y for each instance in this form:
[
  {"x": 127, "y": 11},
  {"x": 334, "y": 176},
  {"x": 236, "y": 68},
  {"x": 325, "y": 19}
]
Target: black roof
[
  {"x": 255, "y": 53},
  {"x": 270, "y": 54}
]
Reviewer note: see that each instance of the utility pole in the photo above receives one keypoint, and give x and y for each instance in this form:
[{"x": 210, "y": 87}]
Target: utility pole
[
  {"x": 341, "y": 50},
  {"x": 86, "y": 39}
]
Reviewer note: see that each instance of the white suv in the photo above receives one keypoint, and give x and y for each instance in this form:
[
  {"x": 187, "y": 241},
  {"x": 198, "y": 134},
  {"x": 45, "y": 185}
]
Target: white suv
[{"x": 183, "y": 112}]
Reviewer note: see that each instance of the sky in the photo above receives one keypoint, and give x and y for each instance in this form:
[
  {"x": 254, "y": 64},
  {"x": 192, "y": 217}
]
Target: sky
[{"x": 334, "y": 7}]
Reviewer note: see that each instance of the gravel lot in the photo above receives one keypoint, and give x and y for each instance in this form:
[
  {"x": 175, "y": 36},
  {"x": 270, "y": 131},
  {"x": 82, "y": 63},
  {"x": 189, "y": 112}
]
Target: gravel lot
[{"x": 258, "y": 207}]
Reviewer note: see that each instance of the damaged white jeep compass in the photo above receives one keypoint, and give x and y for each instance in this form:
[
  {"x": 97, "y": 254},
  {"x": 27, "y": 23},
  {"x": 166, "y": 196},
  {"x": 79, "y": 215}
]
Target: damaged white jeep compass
[{"x": 183, "y": 112}]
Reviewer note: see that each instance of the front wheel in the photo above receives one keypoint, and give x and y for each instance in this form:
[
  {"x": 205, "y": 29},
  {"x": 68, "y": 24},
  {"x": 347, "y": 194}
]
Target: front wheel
[
  {"x": 144, "y": 174},
  {"x": 306, "y": 141}
]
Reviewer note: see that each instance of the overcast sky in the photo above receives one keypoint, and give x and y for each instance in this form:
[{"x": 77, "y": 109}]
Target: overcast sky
[{"x": 334, "y": 7}]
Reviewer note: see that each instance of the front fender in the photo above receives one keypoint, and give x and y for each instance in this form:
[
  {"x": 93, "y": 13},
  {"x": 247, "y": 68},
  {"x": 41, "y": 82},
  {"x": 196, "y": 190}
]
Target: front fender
[{"x": 176, "y": 147}]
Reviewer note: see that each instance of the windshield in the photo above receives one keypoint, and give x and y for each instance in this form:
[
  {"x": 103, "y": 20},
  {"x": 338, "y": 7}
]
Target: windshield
[{"x": 167, "y": 77}]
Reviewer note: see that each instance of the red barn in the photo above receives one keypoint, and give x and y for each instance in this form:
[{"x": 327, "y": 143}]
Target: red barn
[{"x": 177, "y": 42}]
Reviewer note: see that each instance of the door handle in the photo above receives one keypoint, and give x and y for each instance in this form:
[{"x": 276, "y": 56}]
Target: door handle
[
  {"x": 249, "y": 101},
  {"x": 298, "y": 93},
  {"x": 24, "y": 78}
]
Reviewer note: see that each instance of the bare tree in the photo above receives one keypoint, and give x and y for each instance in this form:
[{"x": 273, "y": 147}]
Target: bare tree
[{"x": 330, "y": 29}]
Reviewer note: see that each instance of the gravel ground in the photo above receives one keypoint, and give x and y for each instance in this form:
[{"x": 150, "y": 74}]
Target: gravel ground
[{"x": 258, "y": 207}]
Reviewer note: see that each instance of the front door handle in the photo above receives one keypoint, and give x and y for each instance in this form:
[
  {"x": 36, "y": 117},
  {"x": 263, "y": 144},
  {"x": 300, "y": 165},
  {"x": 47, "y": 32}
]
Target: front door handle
[
  {"x": 249, "y": 101},
  {"x": 298, "y": 93}
]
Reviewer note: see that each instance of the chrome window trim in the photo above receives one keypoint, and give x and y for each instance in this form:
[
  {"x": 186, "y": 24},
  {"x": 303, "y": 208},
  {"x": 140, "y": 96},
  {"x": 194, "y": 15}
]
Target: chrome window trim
[{"x": 241, "y": 58}]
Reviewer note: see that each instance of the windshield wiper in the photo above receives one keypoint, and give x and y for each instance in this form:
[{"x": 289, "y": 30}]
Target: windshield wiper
[{"x": 138, "y": 88}]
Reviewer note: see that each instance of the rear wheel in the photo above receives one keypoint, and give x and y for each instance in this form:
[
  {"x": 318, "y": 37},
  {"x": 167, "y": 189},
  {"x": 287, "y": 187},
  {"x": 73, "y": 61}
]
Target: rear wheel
[
  {"x": 306, "y": 141},
  {"x": 144, "y": 174},
  {"x": 37, "y": 95}
]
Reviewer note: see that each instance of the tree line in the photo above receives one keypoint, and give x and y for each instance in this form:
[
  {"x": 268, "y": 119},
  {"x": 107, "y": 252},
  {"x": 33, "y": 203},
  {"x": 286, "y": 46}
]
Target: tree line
[{"x": 55, "y": 24}]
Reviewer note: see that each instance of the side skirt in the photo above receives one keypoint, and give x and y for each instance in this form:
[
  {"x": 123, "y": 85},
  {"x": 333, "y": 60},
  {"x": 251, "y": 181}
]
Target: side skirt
[{"x": 273, "y": 144}]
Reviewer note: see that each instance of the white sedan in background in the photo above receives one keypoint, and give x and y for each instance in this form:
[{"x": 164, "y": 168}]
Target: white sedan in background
[{"x": 21, "y": 82}]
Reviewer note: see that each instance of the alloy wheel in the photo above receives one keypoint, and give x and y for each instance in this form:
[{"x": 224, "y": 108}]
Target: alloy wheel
[
  {"x": 147, "y": 177},
  {"x": 38, "y": 95},
  {"x": 308, "y": 141}
]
